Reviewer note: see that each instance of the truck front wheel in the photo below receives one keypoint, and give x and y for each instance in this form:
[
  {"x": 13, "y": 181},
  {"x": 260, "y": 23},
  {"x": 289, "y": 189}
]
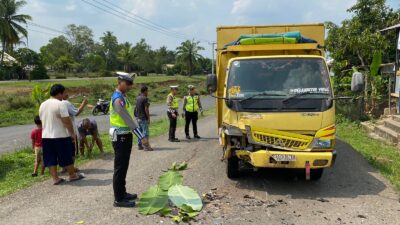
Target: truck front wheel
[
  {"x": 316, "y": 174},
  {"x": 232, "y": 167}
]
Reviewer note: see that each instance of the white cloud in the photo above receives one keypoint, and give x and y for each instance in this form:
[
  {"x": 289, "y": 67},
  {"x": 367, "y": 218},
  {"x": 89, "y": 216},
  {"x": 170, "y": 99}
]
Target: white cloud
[
  {"x": 145, "y": 9},
  {"x": 71, "y": 6},
  {"x": 240, "y": 6},
  {"x": 36, "y": 6}
]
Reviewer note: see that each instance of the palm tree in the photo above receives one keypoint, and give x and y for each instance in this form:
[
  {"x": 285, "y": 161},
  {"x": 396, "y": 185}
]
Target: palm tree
[
  {"x": 126, "y": 55},
  {"x": 10, "y": 28},
  {"x": 188, "y": 53}
]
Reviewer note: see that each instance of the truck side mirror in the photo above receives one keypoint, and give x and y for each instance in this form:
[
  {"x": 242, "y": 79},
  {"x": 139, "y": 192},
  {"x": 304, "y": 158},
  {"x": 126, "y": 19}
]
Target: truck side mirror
[
  {"x": 357, "y": 82},
  {"x": 211, "y": 83}
]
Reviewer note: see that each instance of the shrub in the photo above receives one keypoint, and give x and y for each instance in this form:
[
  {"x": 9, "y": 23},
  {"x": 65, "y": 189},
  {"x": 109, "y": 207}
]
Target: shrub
[
  {"x": 18, "y": 102},
  {"x": 39, "y": 73},
  {"x": 105, "y": 73}
]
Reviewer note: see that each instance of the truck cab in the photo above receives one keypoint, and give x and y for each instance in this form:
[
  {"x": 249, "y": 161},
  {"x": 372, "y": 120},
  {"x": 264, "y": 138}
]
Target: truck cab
[{"x": 275, "y": 106}]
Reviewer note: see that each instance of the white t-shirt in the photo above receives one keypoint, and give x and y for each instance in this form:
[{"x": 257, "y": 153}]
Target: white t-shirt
[{"x": 50, "y": 112}]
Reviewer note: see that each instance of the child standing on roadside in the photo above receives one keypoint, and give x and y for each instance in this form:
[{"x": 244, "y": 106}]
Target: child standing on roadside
[{"x": 36, "y": 136}]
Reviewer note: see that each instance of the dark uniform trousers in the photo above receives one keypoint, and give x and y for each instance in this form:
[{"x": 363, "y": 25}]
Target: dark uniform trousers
[
  {"x": 122, "y": 149},
  {"x": 191, "y": 117},
  {"x": 172, "y": 125}
]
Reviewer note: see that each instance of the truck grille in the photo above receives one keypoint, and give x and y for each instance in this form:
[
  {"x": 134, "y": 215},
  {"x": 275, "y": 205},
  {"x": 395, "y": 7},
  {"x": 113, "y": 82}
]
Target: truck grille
[
  {"x": 280, "y": 142},
  {"x": 278, "y": 139}
]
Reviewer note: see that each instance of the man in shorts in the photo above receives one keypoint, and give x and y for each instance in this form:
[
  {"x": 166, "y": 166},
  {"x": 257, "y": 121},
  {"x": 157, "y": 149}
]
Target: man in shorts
[
  {"x": 58, "y": 135},
  {"x": 85, "y": 128},
  {"x": 142, "y": 114}
]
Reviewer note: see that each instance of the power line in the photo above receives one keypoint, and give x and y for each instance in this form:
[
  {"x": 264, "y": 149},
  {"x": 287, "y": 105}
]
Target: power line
[
  {"x": 153, "y": 24},
  {"x": 42, "y": 32},
  {"x": 46, "y": 28},
  {"x": 132, "y": 21},
  {"x": 141, "y": 23},
  {"x": 137, "y": 20}
]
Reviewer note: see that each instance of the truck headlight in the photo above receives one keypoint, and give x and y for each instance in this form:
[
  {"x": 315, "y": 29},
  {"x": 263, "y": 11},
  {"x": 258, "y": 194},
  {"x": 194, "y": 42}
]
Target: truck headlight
[{"x": 322, "y": 144}]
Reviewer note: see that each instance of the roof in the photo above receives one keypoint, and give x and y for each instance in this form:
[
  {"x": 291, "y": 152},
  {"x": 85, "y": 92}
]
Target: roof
[
  {"x": 397, "y": 26},
  {"x": 9, "y": 59}
]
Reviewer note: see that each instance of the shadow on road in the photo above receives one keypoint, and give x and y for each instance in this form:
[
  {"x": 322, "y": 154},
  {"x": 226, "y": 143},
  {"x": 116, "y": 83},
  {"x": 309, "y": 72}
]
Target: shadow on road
[
  {"x": 90, "y": 183},
  {"x": 164, "y": 149},
  {"x": 350, "y": 177},
  {"x": 97, "y": 171}
]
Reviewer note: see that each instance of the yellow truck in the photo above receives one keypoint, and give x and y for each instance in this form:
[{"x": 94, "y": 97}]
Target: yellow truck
[{"x": 275, "y": 104}]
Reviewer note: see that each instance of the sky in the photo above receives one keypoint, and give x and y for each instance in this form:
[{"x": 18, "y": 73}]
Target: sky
[{"x": 192, "y": 18}]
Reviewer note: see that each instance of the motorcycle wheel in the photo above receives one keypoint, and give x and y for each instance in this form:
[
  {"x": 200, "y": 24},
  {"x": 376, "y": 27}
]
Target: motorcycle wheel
[{"x": 95, "y": 111}]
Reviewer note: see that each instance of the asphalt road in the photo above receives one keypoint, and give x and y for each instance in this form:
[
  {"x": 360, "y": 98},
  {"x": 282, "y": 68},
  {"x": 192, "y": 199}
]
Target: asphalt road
[
  {"x": 16, "y": 137},
  {"x": 351, "y": 192}
]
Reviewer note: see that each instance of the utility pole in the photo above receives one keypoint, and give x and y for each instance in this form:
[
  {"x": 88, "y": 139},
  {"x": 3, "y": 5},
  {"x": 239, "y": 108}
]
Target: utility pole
[{"x": 212, "y": 51}]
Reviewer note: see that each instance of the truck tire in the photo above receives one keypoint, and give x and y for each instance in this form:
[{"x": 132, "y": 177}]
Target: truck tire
[
  {"x": 232, "y": 167},
  {"x": 316, "y": 174}
]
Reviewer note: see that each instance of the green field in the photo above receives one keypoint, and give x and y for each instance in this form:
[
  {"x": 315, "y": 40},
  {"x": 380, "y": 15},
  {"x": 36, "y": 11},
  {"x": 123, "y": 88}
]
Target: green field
[
  {"x": 16, "y": 107},
  {"x": 16, "y": 168}
]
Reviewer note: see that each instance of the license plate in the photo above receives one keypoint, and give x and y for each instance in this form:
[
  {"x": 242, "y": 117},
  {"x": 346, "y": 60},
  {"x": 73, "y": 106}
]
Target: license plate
[{"x": 284, "y": 158}]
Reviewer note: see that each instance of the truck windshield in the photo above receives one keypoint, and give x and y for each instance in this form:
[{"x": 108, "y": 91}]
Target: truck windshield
[{"x": 278, "y": 78}]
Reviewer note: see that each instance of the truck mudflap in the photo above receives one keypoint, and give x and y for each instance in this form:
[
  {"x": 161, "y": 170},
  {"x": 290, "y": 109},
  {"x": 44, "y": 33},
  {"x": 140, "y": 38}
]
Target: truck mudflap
[{"x": 285, "y": 159}]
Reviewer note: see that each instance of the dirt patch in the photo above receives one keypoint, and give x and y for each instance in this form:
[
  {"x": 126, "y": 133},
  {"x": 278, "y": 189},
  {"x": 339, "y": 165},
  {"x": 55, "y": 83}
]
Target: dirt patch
[
  {"x": 79, "y": 91},
  {"x": 168, "y": 82},
  {"x": 15, "y": 90}
]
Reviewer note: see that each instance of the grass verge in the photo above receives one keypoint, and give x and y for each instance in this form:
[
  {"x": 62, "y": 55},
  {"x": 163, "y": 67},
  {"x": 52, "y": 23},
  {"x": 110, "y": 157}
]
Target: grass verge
[
  {"x": 16, "y": 167},
  {"x": 384, "y": 157}
]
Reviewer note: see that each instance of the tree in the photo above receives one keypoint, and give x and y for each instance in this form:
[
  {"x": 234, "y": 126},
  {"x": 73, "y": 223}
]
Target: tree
[
  {"x": 29, "y": 60},
  {"x": 204, "y": 65},
  {"x": 163, "y": 56},
  {"x": 357, "y": 39},
  {"x": 39, "y": 72},
  {"x": 109, "y": 50},
  {"x": 27, "y": 57},
  {"x": 126, "y": 56},
  {"x": 57, "y": 47},
  {"x": 144, "y": 56},
  {"x": 81, "y": 40},
  {"x": 64, "y": 63},
  {"x": 10, "y": 20},
  {"x": 94, "y": 63},
  {"x": 188, "y": 53}
]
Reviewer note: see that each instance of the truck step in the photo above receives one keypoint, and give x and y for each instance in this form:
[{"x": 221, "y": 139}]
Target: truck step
[{"x": 386, "y": 133}]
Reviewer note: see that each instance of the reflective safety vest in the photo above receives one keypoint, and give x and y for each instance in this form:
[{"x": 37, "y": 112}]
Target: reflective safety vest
[
  {"x": 116, "y": 120},
  {"x": 175, "y": 102},
  {"x": 192, "y": 103}
]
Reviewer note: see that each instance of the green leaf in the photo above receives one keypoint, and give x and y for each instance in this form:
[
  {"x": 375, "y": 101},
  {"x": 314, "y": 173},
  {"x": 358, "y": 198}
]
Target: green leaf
[
  {"x": 182, "y": 166},
  {"x": 177, "y": 219},
  {"x": 177, "y": 167},
  {"x": 376, "y": 63},
  {"x": 183, "y": 195},
  {"x": 188, "y": 210},
  {"x": 166, "y": 211},
  {"x": 152, "y": 201},
  {"x": 168, "y": 179}
]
